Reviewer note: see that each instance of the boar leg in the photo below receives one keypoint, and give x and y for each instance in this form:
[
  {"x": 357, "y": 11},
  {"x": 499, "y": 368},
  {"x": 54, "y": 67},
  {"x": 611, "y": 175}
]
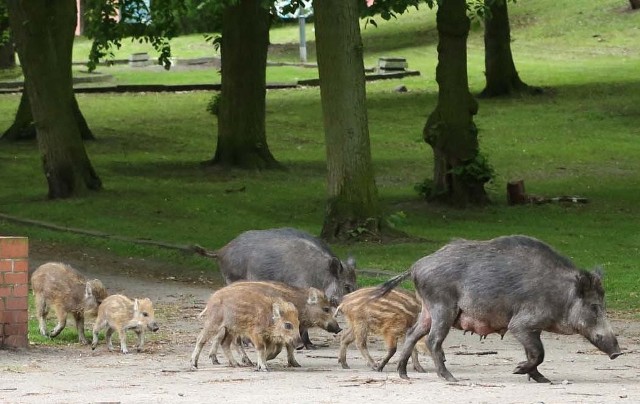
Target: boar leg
[
  {"x": 61, "y": 315},
  {"x": 97, "y": 326},
  {"x": 442, "y": 318},
  {"x": 347, "y": 338},
  {"x": 534, "y": 349},
  {"x": 79, "y": 318},
  {"x": 226, "y": 347},
  {"x": 361, "y": 342},
  {"x": 140, "y": 340},
  {"x": 107, "y": 336},
  {"x": 122, "y": 334},
  {"x": 262, "y": 356},
  {"x": 203, "y": 337},
  {"x": 41, "y": 313},
  {"x": 417, "y": 331},
  {"x": 414, "y": 361},
  {"x": 391, "y": 342},
  {"x": 291, "y": 360},
  {"x": 237, "y": 343},
  {"x": 306, "y": 341}
]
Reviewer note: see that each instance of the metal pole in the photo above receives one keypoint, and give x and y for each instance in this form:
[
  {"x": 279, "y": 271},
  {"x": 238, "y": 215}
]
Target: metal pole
[{"x": 303, "y": 40}]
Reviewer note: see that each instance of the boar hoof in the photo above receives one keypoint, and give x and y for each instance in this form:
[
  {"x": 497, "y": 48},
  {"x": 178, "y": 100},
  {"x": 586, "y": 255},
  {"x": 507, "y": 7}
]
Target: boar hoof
[
  {"x": 345, "y": 366},
  {"x": 537, "y": 376},
  {"x": 294, "y": 364},
  {"x": 419, "y": 369}
]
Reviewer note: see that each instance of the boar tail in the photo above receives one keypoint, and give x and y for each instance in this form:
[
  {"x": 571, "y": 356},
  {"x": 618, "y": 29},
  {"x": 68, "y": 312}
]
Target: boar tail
[
  {"x": 202, "y": 312},
  {"x": 198, "y": 249},
  {"x": 391, "y": 284}
]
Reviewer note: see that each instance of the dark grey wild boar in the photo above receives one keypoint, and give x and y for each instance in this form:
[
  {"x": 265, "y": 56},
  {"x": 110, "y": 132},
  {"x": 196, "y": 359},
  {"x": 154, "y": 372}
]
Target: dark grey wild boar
[
  {"x": 119, "y": 313},
  {"x": 285, "y": 255},
  {"x": 60, "y": 287},
  {"x": 269, "y": 322},
  {"x": 389, "y": 316},
  {"x": 512, "y": 283}
]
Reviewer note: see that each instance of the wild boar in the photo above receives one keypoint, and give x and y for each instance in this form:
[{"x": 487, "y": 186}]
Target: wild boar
[
  {"x": 314, "y": 308},
  {"x": 285, "y": 255},
  {"x": 62, "y": 288},
  {"x": 511, "y": 283},
  {"x": 119, "y": 313},
  {"x": 269, "y": 322},
  {"x": 389, "y": 316}
]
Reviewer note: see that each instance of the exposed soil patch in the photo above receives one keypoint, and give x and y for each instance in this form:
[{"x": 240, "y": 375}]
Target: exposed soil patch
[{"x": 76, "y": 374}]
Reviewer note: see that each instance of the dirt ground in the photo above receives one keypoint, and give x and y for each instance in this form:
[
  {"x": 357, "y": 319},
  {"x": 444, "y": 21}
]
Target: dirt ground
[{"x": 76, "y": 374}]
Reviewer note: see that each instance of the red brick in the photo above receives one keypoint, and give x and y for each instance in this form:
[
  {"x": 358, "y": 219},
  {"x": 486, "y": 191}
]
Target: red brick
[
  {"x": 21, "y": 265},
  {"x": 15, "y": 329},
  {"x": 16, "y": 303},
  {"x": 15, "y": 316},
  {"x": 21, "y": 290},
  {"x": 1, "y": 305},
  {"x": 1, "y": 319},
  {"x": 14, "y": 247},
  {"x": 14, "y": 278},
  {"x": 5, "y": 291},
  {"x": 6, "y": 265},
  {"x": 16, "y": 341}
]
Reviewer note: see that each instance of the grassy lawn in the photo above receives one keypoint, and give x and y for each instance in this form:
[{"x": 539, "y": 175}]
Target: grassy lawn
[{"x": 579, "y": 138}]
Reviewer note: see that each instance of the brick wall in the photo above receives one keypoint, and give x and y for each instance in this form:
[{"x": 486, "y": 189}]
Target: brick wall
[{"x": 14, "y": 291}]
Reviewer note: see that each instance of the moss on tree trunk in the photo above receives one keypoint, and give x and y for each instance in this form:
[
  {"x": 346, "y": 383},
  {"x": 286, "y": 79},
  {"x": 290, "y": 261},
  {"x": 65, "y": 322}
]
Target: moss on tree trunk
[{"x": 242, "y": 140}]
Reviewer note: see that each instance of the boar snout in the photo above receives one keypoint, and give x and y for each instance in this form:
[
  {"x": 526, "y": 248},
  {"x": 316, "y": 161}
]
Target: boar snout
[
  {"x": 334, "y": 328},
  {"x": 615, "y": 355},
  {"x": 153, "y": 326}
]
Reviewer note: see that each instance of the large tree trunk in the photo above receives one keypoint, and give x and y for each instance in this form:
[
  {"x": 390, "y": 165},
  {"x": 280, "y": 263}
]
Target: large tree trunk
[
  {"x": 7, "y": 55},
  {"x": 500, "y": 70},
  {"x": 242, "y": 139},
  {"x": 44, "y": 33},
  {"x": 635, "y": 4},
  {"x": 352, "y": 208},
  {"x": 450, "y": 129}
]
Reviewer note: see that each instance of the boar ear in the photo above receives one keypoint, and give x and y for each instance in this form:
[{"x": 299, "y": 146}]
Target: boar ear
[
  {"x": 276, "y": 311},
  {"x": 136, "y": 305},
  {"x": 583, "y": 283},
  {"x": 88, "y": 292},
  {"x": 351, "y": 262},
  {"x": 313, "y": 296},
  {"x": 335, "y": 267}
]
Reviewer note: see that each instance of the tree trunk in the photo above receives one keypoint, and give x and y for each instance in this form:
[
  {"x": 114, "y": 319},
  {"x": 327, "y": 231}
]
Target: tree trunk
[
  {"x": 635, "y": 4},
  {"x": 22, "y": 127},
  {"x": 7, "y": 55},
  {"x": 44, "y": 33},
  {"x": 500, "y": 70},
  {"x": 450, "y": 129},
  {"x": 352, "y": 208},
  {"x": 242, "y": 139}
]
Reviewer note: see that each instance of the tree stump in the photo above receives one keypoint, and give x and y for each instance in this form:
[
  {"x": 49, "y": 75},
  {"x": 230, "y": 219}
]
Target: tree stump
[{"x": 515, "y": 193}]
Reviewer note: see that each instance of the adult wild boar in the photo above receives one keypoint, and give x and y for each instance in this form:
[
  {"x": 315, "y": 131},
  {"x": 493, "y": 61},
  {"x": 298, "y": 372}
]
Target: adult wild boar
[
  {"x": 285, "y": 255},
  {"x": 62, "y": 288},
  {"x": 511, "y": 283}
]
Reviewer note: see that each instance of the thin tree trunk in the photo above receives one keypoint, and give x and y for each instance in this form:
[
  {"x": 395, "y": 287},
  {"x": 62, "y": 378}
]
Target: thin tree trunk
[
  {"x": 44, "y": 33},
  {"x": 352, "y": 207},
  {"x": 500, "y": 70},
  {"x": 7, "y": 55},
  {"x": 450, "y": 129},
  {"x": 242, "y": 140}
]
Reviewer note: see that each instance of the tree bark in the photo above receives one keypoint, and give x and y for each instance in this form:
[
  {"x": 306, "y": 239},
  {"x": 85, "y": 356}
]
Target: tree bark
[
  {"x": 635, "y": 4},
  {"x": 352, "y": 207},
  {"x": 44, "y": 33},
  {"x": 7, "y": 55},
  {"x": 450, "y": 129},
  {"x": 22, "y": 127},
  {"x": 500, "y": 71},
  {"x": 242, "y": 140}
]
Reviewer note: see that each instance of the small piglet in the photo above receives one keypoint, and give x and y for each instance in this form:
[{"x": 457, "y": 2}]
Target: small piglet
[
  {"x": 389, "y": 316},
  {"x": 119, "y": 313},
  {"x": 60, "y": 287},
  {"x": 269, "y": 322}
]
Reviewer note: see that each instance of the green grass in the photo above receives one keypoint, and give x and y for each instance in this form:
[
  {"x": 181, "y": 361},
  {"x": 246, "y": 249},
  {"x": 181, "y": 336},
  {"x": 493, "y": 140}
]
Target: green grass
[{"x": 579, "y": 138}]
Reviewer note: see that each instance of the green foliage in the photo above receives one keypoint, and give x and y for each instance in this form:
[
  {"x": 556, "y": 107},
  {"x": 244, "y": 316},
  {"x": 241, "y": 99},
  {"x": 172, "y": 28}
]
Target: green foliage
[
  {"x": 397, "y": 219},
  {"x": 109, "y": 22},
  {"x": 213, "y": 106},
  {"x": 4, "y": 24},
  {"x": 476, "y": 170}
]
